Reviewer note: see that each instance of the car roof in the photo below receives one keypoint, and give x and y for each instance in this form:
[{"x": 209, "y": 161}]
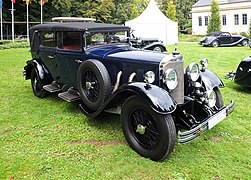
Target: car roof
[{"x": 79, "y": 26}]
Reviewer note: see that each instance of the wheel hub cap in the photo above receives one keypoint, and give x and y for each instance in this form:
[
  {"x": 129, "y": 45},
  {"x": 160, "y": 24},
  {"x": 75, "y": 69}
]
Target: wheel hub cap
[
  {"x": 141, "y": 129},
  {"x": 88, "y": 85}
]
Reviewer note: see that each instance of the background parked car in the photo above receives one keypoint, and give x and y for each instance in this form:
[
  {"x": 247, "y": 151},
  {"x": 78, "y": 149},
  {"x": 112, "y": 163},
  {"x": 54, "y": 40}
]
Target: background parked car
[
  {"x": 242, "y": 76},
  {"x": 153, "y": 44},
  {"x": 216, "y": 39}
]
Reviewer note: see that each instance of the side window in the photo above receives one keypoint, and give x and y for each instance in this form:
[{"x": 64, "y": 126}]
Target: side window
[
  {"x": 69, "y": 40},
  {"x": 35, "y": 41},
  {"x": 48, "y": 39}
]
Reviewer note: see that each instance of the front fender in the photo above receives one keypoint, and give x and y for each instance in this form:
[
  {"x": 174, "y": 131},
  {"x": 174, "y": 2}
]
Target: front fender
[
  {"x": 158, "y": 99},
  {"x": 210, "y": 80}
]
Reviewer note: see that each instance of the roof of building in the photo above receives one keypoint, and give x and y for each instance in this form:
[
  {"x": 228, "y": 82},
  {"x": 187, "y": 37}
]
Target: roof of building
[{"x": 208, "y": 2}]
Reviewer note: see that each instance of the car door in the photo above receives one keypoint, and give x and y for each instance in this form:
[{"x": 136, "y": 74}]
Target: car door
[
  {"x": 225, "y": 39},
  {"x": 69, "y": 56},
  {"x": 47, "y": 52}
]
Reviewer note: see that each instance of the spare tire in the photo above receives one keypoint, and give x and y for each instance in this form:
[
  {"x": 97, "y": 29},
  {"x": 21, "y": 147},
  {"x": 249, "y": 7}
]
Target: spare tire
[{"x": 94, "y": 84}]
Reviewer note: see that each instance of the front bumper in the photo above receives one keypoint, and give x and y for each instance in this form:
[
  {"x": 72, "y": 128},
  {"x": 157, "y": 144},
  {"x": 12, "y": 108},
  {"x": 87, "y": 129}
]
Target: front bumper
[{"x": 209, "y": 123}]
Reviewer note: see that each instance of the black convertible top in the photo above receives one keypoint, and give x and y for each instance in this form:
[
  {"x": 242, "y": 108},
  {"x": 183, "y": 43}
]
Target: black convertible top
[{"x": 78, "y": 26}]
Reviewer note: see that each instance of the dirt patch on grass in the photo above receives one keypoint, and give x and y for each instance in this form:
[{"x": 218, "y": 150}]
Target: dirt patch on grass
[
  {"x": 5, "y": 132},
  {"x": 98, "y": 143},
  {"x": 216, "y": 139}
]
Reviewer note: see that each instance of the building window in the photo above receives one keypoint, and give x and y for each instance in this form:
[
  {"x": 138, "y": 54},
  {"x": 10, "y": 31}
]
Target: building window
[
  {"x": 244, "y": 19},
  {"x": 206, "y": 20},
  {"x": 200, "y": 21},
  {"x": 224, "y": 20},
  {"x": 236, "y": 19}
]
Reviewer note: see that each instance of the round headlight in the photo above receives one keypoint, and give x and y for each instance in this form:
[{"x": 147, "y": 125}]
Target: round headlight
[
  {"x": 211, "y": 97},
  {"x": 170, "y": 79},
  {"x": 193, "y": 71},
  {"x": 149, "y": 77}
]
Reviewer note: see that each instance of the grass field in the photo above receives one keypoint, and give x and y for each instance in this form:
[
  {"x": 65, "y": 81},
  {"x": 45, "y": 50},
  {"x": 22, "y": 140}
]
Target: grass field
[{"x": 51, "y": 139}]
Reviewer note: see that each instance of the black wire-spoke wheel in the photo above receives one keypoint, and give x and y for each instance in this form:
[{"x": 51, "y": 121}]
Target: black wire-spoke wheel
[
  {"x": 94, "y": 84},
  {"x": 150, "y": 134},
  {"x": 144, "y": 129},
  {"x": 37, "y": 84}
]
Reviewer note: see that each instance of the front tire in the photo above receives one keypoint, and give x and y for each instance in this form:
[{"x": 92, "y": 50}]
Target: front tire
[
  {"x": 219, "y": 100},
  {"x": 150, "y": 134},
  {"x": 37, "y": 84}
]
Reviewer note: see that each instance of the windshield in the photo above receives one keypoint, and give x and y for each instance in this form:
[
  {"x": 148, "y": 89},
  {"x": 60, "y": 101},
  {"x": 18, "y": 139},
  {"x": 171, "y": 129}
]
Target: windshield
[
  {"x": 214, "y": 34},
  {"x": 102, "y": 38}
]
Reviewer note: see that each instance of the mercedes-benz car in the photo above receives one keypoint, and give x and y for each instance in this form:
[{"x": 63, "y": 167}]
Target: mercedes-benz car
[
  {"x": 158, "y": 103},
  {"x": 216, "y": 39}
]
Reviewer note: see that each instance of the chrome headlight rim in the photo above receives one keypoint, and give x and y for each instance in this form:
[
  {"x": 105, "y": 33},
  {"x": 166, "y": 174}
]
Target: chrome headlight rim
[
  {"x": 211, "y": 98},
  {"x": 169, "y": 82},
  {"x": 193, "y": 71},
  {"x": 149, "y": 77}
]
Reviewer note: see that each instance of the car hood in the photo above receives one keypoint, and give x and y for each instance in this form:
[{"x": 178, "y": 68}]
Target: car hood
[
  {"x": 207, "y": 38},
  {"x": 125, "y": 52}
]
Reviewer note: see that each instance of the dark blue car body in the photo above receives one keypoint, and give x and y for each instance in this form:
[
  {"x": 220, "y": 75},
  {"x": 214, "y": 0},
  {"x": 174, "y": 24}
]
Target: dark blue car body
[
  {"x": 216, "y": 39},
  {"x": 90, "y": 64}
]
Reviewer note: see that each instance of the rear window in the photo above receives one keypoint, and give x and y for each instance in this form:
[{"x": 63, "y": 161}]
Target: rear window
[
  {"x": 48, "y": 39},
  {"x": 69, "y": 40}
]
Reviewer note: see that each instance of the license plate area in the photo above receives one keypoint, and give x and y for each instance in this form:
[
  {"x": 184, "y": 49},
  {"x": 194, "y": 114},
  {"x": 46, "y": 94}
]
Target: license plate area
[{"x": 217, "y": 118}]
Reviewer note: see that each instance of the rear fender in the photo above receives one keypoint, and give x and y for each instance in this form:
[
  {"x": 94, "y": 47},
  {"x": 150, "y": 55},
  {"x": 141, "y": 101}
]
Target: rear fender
[
  {"x": 210, "y": 80},
  {"x": 39, "y": 67},
  {"x": 152, "y": 45}
]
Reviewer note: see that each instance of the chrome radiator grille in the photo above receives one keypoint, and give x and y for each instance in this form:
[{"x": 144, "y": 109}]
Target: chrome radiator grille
[{"x": 178, "y": 65}]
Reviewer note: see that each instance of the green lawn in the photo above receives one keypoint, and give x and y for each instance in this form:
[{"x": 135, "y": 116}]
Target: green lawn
[{"x": 51, "y": 139}]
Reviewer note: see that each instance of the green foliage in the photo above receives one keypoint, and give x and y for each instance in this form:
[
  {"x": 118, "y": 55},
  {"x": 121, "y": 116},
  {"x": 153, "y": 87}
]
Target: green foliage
[
  {"x": 183, "y": 9},
  {"x": 214, "y": 18},
  {"x": 51, "y": 139},
  {"x": 244, "y": 34},
  {"x": 106, "y": 11},
  {"x": 16, "y": 44},
  {"x": 171, "y": 11},
  {"x": 249, "y": 29}
]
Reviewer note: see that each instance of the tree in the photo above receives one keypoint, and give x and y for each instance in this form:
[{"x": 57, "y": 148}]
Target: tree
[
  {"x": 249, "y": 29},
  {"x": 183, "y": 12},
  {"x": 214, "y": 18},
  {"x": 171, "y": 11}
]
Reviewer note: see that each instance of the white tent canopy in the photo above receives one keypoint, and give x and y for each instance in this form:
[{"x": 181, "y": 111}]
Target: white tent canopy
[{"x": 152, "y": 23}]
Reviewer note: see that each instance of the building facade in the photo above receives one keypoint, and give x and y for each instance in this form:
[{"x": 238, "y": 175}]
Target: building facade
[{"x": 235, "y": 16}]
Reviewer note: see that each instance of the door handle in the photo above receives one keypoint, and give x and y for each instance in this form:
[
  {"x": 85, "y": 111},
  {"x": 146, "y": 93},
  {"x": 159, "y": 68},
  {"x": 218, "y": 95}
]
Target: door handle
[
  {"x": 51, "y": 57},
  {"x": 78, "y": 61}
]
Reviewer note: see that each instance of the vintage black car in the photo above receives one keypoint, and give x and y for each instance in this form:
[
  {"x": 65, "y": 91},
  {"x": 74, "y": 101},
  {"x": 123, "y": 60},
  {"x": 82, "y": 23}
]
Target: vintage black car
[
  {"x": 158, "y": 103},
  {"x": 153, "y": 44},
  {"x": 216, "y": 39},
  {"x": 242, "y": 76}
]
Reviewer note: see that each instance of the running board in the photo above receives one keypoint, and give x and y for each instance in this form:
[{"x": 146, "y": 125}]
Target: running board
[
  {"x": 70, "y": 95},
  {"x": 53, "y": 87}
]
